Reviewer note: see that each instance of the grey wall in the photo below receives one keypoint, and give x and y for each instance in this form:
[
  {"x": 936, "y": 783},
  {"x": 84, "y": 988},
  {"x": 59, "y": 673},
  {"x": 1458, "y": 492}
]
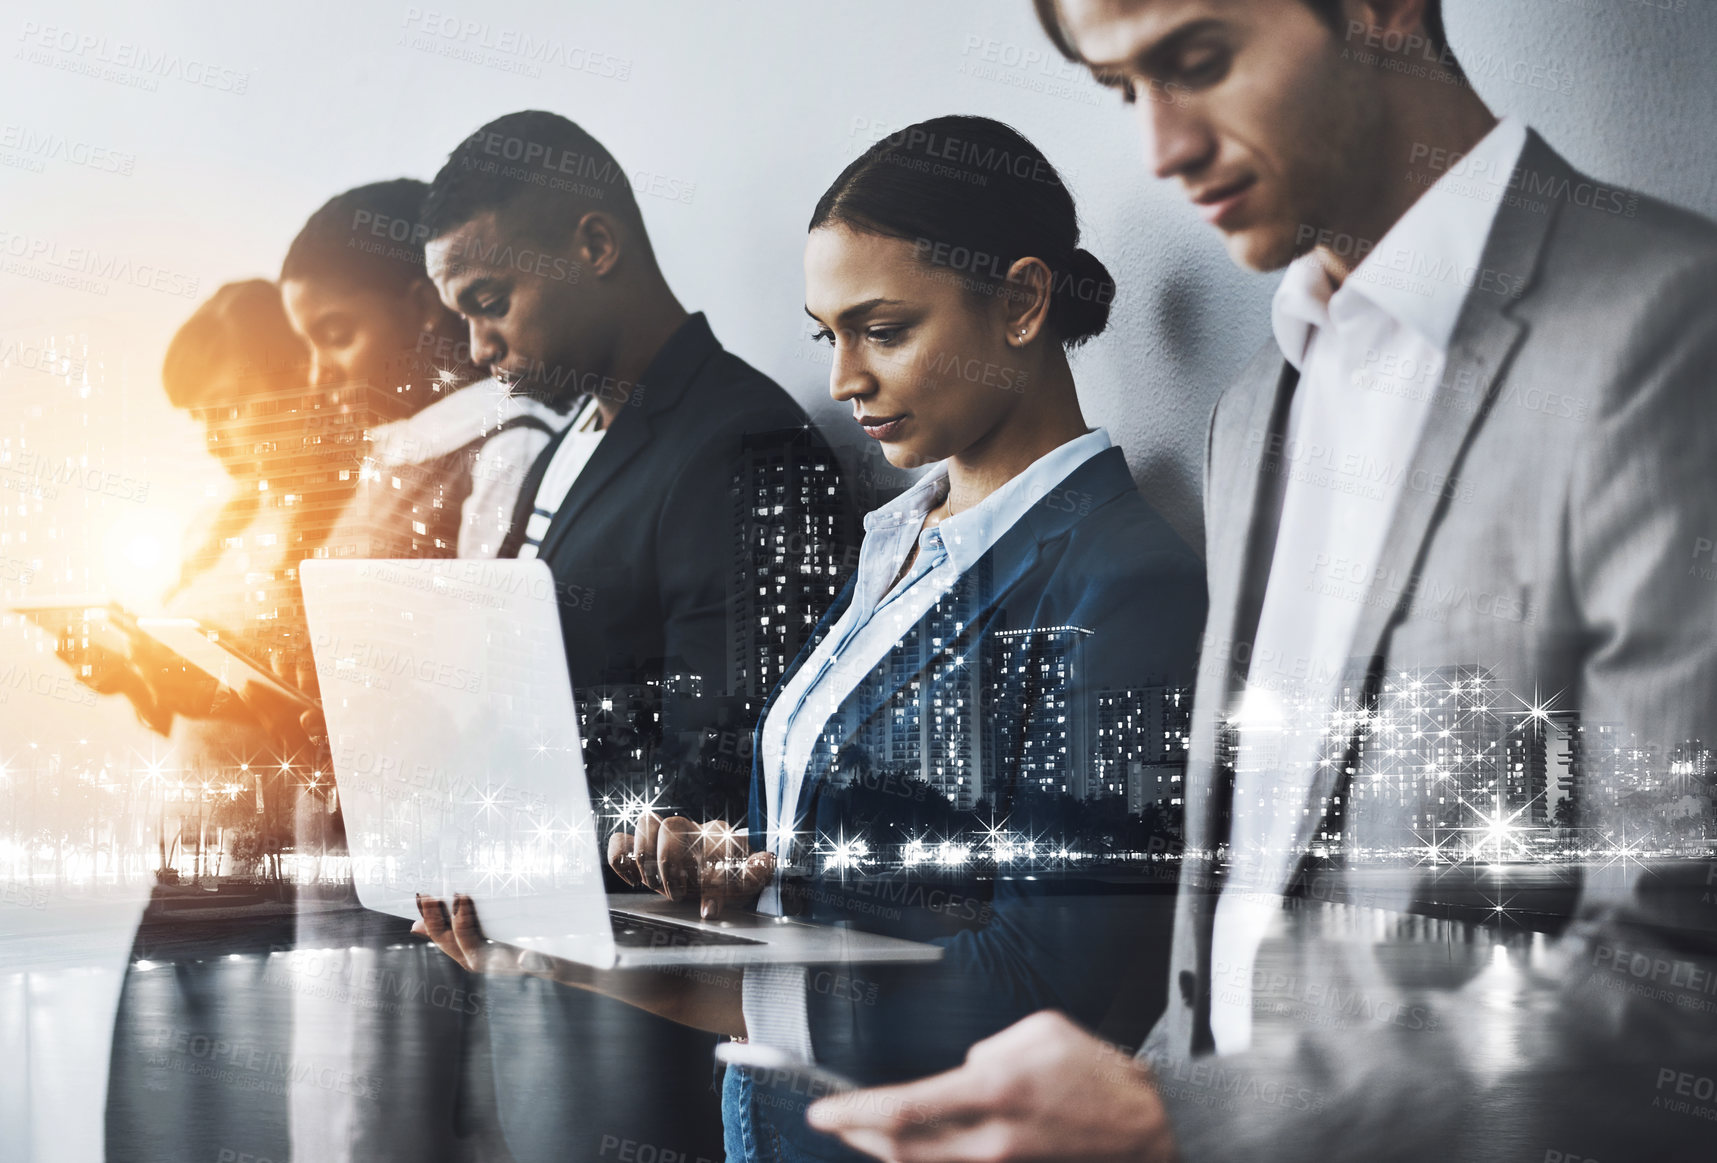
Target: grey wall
[{"x": 744, "y": 112}]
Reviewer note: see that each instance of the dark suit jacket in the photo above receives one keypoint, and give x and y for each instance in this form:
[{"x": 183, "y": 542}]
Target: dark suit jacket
[
  {"x": 1090, "y": 591},
  {"x": 655, "y": 578},
  {"x": 643, "y": 548}
]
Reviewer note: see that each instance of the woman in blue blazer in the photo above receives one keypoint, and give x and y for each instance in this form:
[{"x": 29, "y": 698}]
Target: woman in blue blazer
[{"x": 956, "y": 679}]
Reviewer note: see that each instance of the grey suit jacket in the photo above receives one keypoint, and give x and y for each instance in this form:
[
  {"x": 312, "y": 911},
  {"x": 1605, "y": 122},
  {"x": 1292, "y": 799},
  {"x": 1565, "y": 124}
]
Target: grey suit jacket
[{"x": 1553, "y": 537}]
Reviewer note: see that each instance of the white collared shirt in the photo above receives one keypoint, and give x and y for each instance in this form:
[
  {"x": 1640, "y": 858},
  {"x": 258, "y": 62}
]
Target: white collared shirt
[
  {"x": 882, "y": 612},
  {"x": 1370, "y": 355},
  {"x": 569, "y": 462},
  {"x": 500, "y": 464}
]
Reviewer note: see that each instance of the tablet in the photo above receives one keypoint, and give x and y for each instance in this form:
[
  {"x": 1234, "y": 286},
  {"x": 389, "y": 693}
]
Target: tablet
[
  {"x": 103, "y": 621},
  {"x": 203, "y": 649},
  {"x": 108, "y": 624}
]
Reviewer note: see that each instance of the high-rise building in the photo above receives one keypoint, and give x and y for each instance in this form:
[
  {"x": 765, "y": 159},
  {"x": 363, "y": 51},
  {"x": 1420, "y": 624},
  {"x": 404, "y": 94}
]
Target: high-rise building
[
  {"x": 1523, "y": 783},
  {"x": 309, "y": 448},
  {"x": 1455, "y": 760},
  {"x": 930, "y": 697},
  {"x": 1571, "y": 781},
  {"x": 1043, "y": 666},
  {"x": 1610, "y": 775},
  {"x": 1140, "y": 749},
  {"x": 791, "y": 554},
  {"x": 619, "y": 725}
]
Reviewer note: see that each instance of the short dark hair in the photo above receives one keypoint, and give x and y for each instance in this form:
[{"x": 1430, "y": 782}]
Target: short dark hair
[
  {"x": 1329, "y": 11},
  {"x": 370, "y": 238},
  {"x": 242, "y": 331},
  {"x": 975, "y": 195},
  {"x": 530, "y": 151}
]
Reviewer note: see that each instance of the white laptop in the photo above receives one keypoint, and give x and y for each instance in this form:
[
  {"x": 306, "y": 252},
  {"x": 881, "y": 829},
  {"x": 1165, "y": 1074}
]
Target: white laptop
[{"x": 457, "y": 758}]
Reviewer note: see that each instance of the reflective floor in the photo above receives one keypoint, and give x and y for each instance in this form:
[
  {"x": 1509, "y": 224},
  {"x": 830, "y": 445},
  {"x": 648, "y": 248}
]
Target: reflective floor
[{"x": 248, "y": 1025}]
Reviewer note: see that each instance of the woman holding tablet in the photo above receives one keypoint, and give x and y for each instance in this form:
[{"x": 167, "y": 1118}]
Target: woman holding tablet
[{"x": 954, "y": 682}]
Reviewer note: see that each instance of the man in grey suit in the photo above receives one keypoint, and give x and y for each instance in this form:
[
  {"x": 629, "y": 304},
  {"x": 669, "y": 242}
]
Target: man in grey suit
[{"x": 1462, "y": 496}]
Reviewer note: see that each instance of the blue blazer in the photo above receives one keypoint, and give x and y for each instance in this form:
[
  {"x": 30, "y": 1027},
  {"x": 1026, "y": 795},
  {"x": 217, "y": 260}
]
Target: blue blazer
[{"x": 1090, "y": 555}]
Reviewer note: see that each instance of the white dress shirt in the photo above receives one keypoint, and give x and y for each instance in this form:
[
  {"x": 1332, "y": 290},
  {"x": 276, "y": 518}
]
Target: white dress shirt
[
  {"x": 324, "y": 1124},
  {"x": 500, "y": 464},
  {"x": 881, "y": 613},
  {"x": 1370, "y": 354},
  {"x": 562, "y": 473}
]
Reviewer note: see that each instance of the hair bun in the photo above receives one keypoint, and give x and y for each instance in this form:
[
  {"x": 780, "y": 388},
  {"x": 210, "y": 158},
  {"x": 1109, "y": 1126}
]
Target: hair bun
[
  {"x": 1082, "y": 296},
  {"x": 973, "y": 188}
]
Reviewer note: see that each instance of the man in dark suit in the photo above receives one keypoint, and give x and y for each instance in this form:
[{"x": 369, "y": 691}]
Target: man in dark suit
[
  {"x": 638, "y": 507},
  {"x": 697, "y": 527},
  {"x": 1465, "y": 487}
]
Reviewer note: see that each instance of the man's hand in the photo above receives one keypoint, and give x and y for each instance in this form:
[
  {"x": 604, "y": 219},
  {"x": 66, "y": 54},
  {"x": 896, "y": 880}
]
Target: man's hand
[
  {"x": 297, "y": 727},
  {"x": 111, "y": 674},
  {"x": 1041, "y": 1090},
  {"x": 151, "y": 678},
  {"x": 679, "y": 858}
]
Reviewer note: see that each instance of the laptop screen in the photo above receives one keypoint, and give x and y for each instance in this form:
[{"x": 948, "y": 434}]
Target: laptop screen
[{"x": 455, "y": 745}]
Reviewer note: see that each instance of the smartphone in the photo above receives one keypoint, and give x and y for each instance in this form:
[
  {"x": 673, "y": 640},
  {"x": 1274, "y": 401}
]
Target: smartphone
[{"x": 782, "y": 1067}]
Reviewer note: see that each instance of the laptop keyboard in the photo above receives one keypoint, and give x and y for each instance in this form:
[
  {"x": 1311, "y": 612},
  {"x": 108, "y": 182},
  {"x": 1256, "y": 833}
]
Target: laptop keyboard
[{"x": 634, "y": 932}]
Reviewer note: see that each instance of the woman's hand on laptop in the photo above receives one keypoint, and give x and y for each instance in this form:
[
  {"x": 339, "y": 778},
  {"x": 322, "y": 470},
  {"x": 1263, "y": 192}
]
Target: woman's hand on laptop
[
  {"x": 457, "y": 932},
  {"x": 682, "y": 859},
  {"x": 708, "y": 1000}
]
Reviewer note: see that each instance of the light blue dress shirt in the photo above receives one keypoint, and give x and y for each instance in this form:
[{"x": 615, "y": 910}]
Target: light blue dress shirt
[{"x": 879, "y": 616}]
